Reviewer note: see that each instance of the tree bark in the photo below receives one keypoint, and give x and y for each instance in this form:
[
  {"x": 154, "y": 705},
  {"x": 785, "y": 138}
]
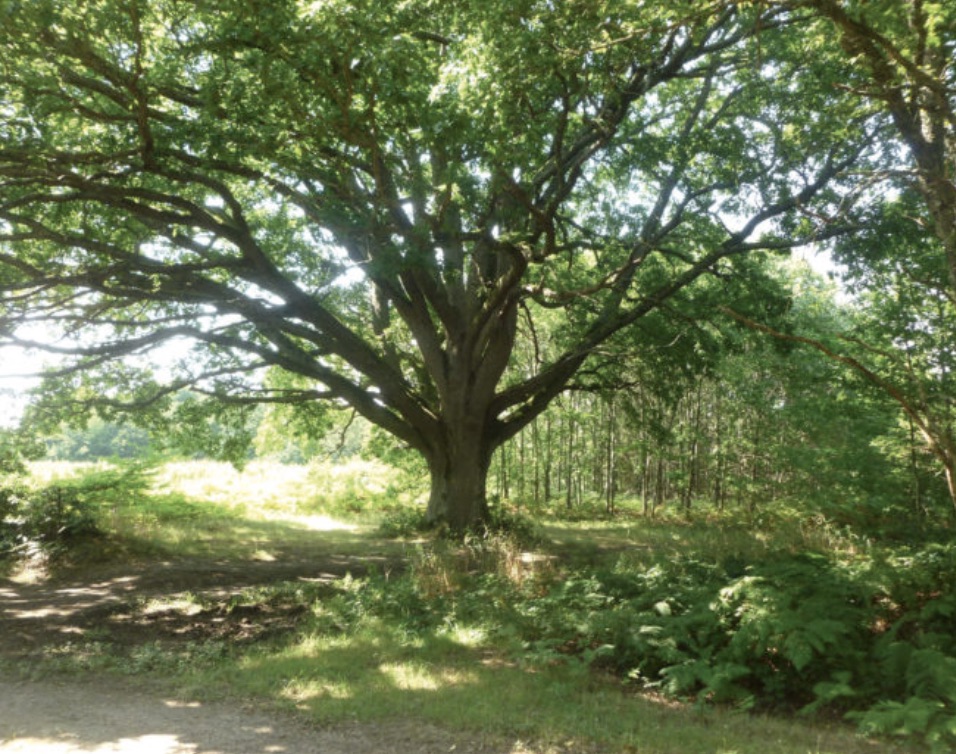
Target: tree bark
[
  {"x": 458, "y": 468},
  {"x": 609, "y": 458}
]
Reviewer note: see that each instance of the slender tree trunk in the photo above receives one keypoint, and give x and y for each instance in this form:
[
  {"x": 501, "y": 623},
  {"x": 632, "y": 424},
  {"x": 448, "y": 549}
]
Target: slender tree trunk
[
  {"x": 755, "y": 466},
  {"x": 693, "y": 478},
  {"x": 659, "y": 483},
  {"x": 598, "y": 419},
  {"x": 505, "y": 474},
  {"x": 719, "y": 440},
  {"x": 645, "y": 455},
  {"x": 522, "y": 464},
  {"x": 569, "y": 464},
  {"x": 609, "y": 458},
  {"x": 950, "y": 465},
  {"x": 547, "y": 457}
]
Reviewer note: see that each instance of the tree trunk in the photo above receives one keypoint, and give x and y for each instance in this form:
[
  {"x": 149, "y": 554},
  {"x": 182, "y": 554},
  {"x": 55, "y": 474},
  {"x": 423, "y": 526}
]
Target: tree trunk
[
  {"x": 719, "y": 450},
  {"x": 547, "y": 458},
  {"x": 569, "y": 469},
  {"x": 459, "y": 474},
  {"x": 950, "y": 466},
  {"x": 522, "y": 464},
  {"x": 504, "y": 492},
  {"x": 609, "y": 459}
]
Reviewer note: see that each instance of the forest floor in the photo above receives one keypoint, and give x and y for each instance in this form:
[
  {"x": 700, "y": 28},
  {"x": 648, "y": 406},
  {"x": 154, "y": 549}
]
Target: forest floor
[{"x": 138, "y": 604}]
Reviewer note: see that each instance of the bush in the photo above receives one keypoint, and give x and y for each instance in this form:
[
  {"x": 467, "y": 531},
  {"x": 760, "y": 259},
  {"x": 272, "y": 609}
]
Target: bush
[
  {"x": 874, "y": 641},
  {"x": 43, "y": 519},
  {"x": 926, "y": 702},
  {"x": 869, "y": 639},
  {"x": 403, "y": 523},
  {"x": 49, "y": 518}
]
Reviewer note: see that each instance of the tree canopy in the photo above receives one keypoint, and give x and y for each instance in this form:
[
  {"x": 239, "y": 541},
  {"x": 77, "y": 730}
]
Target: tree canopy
[{"x": 377, "y": 201}]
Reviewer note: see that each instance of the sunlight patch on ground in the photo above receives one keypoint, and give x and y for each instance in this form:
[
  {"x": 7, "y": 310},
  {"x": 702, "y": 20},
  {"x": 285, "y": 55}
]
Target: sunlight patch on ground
[
  {"x": 47, "y": 612},
  {"x": 186, "y": 605},
  {"x": 319, "y": 522},
  {"x": 176, "y": 704},
  {"x": 302, "y": 690},
  {"x": 414, "y": 677},
  {"x": 467, "y": 636},
  {"x": 29, "y": 572},
  {"x": 82, "y": 598},
  {"x": 148, "y": 744}
]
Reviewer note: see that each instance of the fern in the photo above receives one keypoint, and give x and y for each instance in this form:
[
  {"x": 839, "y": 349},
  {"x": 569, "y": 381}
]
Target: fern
[{"x": 928, "y": 706}]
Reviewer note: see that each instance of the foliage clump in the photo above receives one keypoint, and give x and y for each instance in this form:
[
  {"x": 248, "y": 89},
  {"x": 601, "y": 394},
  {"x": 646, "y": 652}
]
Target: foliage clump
[{"x": 48, "y": 519}]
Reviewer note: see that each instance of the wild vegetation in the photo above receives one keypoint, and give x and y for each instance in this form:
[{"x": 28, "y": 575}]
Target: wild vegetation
[
  {"x": 592, "y": 619},
  {"x": 713, "y": 538}
]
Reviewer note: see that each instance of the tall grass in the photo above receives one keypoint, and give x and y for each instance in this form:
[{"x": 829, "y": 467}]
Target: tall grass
[
  {"x": 355, "y": 489},
  {"x": 212, "y": 509}
]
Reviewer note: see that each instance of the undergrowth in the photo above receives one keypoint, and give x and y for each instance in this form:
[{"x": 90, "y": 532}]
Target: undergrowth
[
  {"x": 866, "y": 638},
  {"x": 781, "y": 614}
]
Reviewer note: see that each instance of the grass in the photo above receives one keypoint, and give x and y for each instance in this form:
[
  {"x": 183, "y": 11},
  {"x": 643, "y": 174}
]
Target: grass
[
  {"x": 422, "y": 646},
  {"x": 710, "y": 537},
  {"x": 454, "y": 678},
  {"x": 204, "y": 509}
]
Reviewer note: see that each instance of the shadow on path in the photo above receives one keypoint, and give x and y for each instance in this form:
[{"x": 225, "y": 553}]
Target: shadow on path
[{"x": 106, "y": 601}]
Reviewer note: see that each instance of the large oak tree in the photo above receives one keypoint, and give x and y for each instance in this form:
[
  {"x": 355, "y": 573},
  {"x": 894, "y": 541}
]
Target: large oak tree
[{"x": 376, "y": 198}]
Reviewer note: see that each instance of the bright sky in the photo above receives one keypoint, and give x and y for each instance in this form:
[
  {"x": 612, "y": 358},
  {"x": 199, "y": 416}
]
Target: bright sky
[{"x": 14, "y": 363}]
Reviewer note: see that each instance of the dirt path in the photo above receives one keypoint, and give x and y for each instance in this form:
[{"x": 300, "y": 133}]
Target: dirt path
[
  {"x": 108, "y": 715},
  {"x": 110, "y": 602}
]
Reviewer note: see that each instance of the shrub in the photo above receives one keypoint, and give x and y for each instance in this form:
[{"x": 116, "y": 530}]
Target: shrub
[
  {"x": 43, "y": 519},
  {"x": 403, "y": 523},
  {"x": 925, "y": 705},
  {"x": 789, "y": 632},
  {"x": 48, "y": 518}
]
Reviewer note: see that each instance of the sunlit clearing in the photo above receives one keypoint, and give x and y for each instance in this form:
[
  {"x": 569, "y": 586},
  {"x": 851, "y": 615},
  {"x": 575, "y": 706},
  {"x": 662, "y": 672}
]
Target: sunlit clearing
[
  {"x": 466, "y": 636},
  {"x": 320, "y": 523},
  {"x": 283, "y": 491},
  {"x": 44, "y": 472},
  {"x": 265, "y": 484}
]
